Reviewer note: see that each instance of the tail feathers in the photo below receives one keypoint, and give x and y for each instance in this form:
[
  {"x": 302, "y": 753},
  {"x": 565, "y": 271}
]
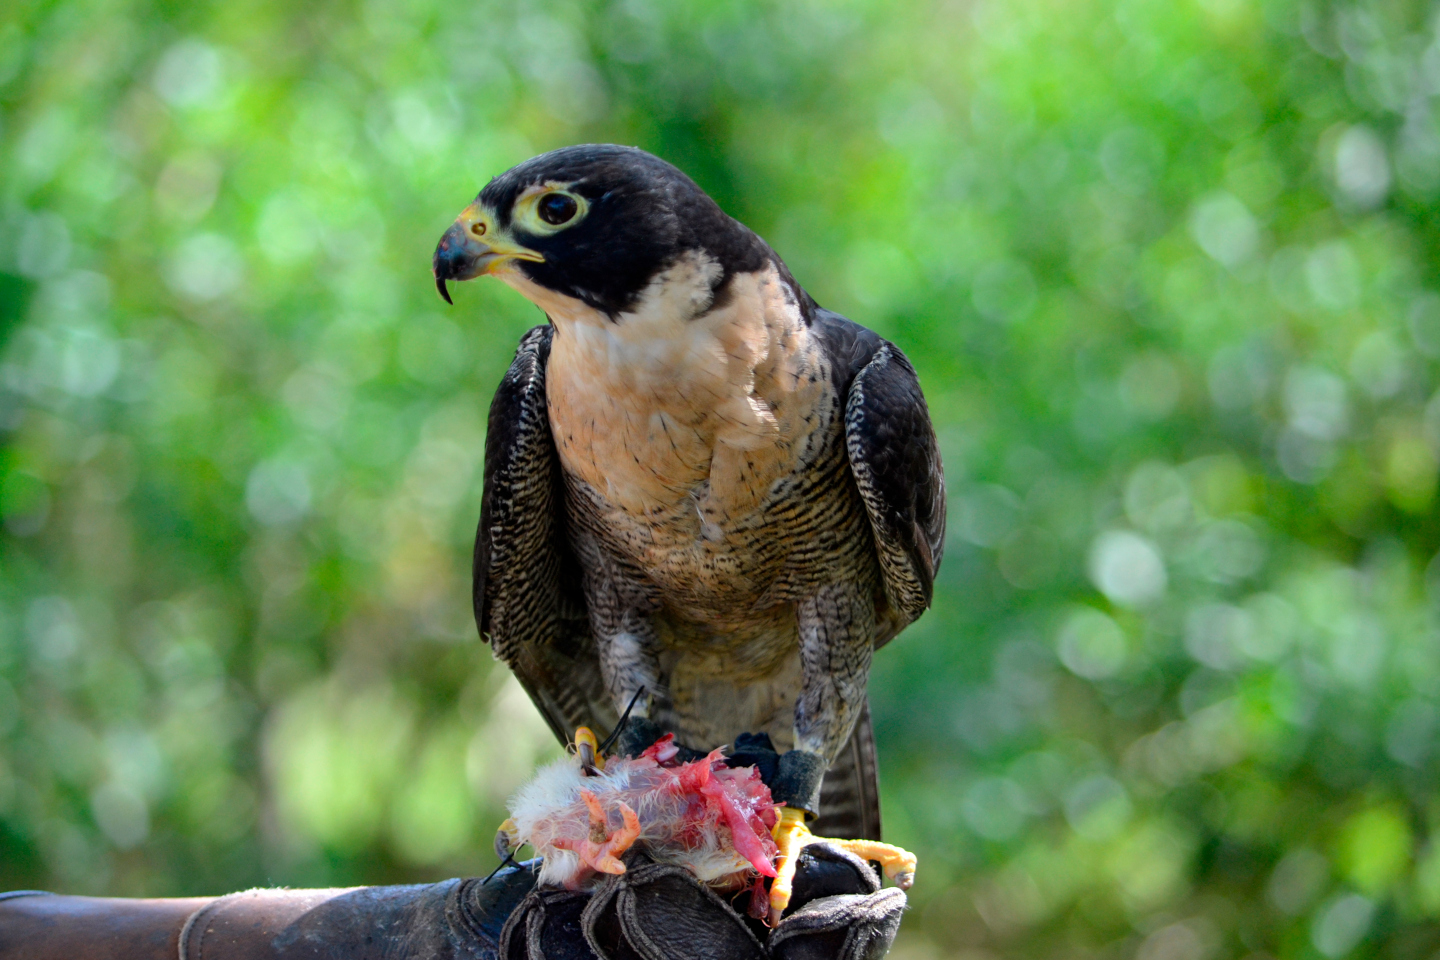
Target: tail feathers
[{"x": 850, "y": 795}]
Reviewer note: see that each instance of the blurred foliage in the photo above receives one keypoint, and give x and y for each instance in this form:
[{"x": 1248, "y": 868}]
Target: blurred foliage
[{"x": 1168, "y": 271}]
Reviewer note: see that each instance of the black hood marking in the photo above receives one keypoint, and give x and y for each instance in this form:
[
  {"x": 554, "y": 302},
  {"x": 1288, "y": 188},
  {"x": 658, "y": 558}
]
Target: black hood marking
[{"x": 645, "y": 214}]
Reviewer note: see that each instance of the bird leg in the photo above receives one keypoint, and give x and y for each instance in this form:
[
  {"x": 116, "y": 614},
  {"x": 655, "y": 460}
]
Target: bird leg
[
  {"x": 791, "y": 836},
  {"x": 620, "y": 611},
  {"x": 836, "y": 626},
  {"x": 601, "y": 850},
  {"x": 630, "y": 668}
]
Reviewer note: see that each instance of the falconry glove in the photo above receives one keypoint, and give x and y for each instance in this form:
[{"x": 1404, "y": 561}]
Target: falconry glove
[
  {"x": 660, "y": 912},
  {"x": 651, "y": 912}
]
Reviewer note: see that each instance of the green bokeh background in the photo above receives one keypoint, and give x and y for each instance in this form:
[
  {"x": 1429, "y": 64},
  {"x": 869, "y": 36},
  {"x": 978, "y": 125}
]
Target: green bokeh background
[{"x": 1167, "y": 269}]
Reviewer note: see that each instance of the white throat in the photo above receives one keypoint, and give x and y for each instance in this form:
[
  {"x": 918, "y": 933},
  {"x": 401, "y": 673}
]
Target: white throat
[{"x": 662, "y": 336}]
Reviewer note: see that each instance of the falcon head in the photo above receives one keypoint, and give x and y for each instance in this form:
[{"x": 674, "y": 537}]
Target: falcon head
[{"x": 596, "y": 224}]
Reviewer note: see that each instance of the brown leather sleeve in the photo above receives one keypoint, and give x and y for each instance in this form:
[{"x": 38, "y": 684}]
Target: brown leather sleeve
[
  {"x": 43, "y": 926},
  {"x": 450, "y": 920}
]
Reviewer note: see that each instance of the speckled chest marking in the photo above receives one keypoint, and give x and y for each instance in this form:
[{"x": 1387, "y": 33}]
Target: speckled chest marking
[{"x": 684, "y": 422}]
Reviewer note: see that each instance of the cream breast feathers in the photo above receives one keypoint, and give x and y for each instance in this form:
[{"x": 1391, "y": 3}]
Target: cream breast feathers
[{"x": 676, "y": 393}]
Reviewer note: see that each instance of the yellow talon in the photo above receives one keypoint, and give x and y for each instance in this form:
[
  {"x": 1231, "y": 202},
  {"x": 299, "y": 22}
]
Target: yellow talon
[
  {"x": 587, "y": 747},
  {"x": 507, "y": 841},
  {"x": 791, "y": 836}
]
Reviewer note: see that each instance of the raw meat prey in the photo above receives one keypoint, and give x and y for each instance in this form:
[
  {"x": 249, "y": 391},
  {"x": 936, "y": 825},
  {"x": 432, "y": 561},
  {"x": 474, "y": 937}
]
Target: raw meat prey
[{"x": 711, "y": 819}]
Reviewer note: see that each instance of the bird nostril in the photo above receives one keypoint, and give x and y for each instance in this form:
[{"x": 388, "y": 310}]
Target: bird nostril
[{"x": 478, "y": 229}]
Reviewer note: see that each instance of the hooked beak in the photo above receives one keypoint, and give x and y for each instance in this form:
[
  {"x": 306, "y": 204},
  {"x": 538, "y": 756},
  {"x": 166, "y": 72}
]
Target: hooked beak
[{"x": 472, "y": 247}]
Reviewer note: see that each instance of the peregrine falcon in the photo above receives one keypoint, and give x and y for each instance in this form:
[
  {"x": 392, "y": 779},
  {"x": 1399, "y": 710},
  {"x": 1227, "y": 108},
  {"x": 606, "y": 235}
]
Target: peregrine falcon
[{"x": 699, "y": 483}]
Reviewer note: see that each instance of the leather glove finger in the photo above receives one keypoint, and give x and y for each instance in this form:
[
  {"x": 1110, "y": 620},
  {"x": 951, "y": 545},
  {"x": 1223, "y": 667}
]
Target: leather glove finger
[
  {"x": 660, "y": 912},
  {"x": 845, "y": 927},
  {"x": 546, "y": 926}
]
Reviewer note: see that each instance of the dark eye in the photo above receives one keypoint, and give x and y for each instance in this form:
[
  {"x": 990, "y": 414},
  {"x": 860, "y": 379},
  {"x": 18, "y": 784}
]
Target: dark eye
[{"x": 557, "y": 208}]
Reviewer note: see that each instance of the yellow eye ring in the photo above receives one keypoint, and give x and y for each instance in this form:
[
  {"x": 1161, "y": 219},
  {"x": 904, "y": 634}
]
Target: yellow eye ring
[{"x": 549, "y": 208}]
